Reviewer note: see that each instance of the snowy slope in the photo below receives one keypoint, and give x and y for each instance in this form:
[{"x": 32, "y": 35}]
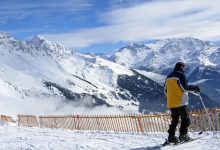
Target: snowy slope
[
  {"x": 159, "y": 78},
  {"x": 39, "y": 73},
  {"x": 13, "y": 138}
]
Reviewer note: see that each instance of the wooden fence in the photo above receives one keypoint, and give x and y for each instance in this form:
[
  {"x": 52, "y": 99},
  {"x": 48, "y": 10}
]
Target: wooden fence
[
  {"x": 201, "y": 122},
  {"x": 28, "y": 121},
  {"x": 123, "y": 123},
  {"x": 5, "y": 118}
]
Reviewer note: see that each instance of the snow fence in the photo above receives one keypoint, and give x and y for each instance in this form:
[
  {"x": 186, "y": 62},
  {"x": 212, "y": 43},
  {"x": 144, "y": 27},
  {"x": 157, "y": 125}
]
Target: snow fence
[
  {"x": 5, "y": 118},
  {"x": 123, "y": 123}
]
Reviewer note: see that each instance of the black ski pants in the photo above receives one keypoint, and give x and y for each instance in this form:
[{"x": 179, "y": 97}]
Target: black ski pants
[{"x": 185, "y": 121}]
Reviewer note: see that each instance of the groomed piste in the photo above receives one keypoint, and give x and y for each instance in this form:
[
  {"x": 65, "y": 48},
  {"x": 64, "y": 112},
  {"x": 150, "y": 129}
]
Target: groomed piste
[{"x": 14, "y": 137}]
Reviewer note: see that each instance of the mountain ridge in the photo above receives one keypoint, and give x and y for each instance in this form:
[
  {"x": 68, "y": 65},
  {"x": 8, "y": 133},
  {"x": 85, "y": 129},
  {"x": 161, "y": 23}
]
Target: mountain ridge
[
  {"x": 162, "y": 55},
  {"x": 40, "y": 69}
]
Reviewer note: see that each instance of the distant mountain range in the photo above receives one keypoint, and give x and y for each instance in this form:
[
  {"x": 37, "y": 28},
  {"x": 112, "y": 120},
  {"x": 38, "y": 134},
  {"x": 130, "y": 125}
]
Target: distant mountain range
[
  {"x": 201, "y": 57},
  {"x": 130, "y": 80}
]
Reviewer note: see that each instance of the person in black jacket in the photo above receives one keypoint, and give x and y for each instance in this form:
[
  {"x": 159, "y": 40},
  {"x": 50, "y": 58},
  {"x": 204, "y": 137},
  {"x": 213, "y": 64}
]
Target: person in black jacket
[{"x": 176, "y": 90}]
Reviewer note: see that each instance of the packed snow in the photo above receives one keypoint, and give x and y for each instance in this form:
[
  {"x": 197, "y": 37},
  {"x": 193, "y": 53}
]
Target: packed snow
[{"x": 20, "y": 138}]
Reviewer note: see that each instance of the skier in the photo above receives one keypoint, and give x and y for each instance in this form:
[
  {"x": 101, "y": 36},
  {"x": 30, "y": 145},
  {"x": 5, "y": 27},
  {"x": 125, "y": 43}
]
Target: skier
[{"x": 176, "y": 90}]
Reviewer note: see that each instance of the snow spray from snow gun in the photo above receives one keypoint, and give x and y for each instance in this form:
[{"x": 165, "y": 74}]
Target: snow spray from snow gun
[{"x": 198, "y": 94}]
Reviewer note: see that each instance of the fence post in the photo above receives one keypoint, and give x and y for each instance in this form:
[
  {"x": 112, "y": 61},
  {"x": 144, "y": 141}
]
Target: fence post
[
  {"x": 77, "y": 117},
  {"x": 140, "y": 124},
  {"x": 149, "y": 123},
  {"x": 74, "y": 122},
  {"x": 213, "y": 118},
  {"x": 144, "y": 123},
  {"x": 192, "y": 126},
  {"x": 166, "y": 120},
  {"x": 18, "y": 120},
  {"x": 197, "y": 122},
  {"x": 116, "y": 123},
  {"x": 157, "y": 123},
  {"x": 40, "y": 121},
  {"x": 161, "y": 122},
  {"x": 127, "y": 123},
  {"x": 208, "y": 120},
  {"x": 216, "y": 115},
  {"x": 97, "y": 121},
  {"x": 200, "y": 120},
  {"x": 204, "y": 119}
]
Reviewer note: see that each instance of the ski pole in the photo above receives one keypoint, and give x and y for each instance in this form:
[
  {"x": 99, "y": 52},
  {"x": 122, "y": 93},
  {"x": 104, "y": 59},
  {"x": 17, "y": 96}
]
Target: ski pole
[{"x": 206, "y": 112}]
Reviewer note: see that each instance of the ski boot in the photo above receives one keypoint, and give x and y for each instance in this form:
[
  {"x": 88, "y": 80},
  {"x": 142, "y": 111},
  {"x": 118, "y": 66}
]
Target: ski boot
[
  {"x": 185, "y": 138},
  {"x": 171, "y": 140}
]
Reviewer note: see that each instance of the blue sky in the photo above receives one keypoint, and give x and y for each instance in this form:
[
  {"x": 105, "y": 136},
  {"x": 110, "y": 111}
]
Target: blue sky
[{"x": 105, "y": 25}]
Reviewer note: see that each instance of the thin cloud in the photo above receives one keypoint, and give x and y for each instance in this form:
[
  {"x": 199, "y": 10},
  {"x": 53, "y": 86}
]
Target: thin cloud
[
  {"x": 42, "y": 4},
  {"x": 18, "y": 10},
  {"x": 151, "y": 20},
  {"x": 3, "y": 20}
]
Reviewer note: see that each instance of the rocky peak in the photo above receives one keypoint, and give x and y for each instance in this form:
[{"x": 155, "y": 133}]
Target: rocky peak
[
  {"x": 184, "y": 44},
  {"x": 6, "y": 38},
  {"x": 42, "y": 43},
  {"x": 38, "y": 40},
  {"x": 5, "y": 35},
  {"x": 134, "y": 48},
  {"x": 136, "y": 45}
]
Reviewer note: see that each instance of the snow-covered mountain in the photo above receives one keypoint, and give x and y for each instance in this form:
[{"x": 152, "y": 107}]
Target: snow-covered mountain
[
  {"x": 202, "y": 59},
  {"x": 39, "y": 76},
  {"x": 160, "y": 55},
  {"x": 132, "y": 55},
  {"x": 43, "y": 77}
]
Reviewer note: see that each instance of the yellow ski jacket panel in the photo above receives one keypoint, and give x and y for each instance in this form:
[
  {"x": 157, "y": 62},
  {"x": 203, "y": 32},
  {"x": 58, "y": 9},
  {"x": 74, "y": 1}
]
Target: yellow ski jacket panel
[{"x": 176, "y": 88}]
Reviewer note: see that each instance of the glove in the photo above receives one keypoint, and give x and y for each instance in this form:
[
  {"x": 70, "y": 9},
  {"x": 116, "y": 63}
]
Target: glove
[{"x": 197, "y": 89}]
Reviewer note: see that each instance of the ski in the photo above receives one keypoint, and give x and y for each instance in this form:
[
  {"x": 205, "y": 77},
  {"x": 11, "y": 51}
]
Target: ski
[
  {"x": 166, "y": 144},
  {"x": 179, "y": 143}
]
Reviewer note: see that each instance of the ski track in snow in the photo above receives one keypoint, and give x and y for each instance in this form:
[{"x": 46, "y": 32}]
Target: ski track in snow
[{"x": 23, "y": 138}]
